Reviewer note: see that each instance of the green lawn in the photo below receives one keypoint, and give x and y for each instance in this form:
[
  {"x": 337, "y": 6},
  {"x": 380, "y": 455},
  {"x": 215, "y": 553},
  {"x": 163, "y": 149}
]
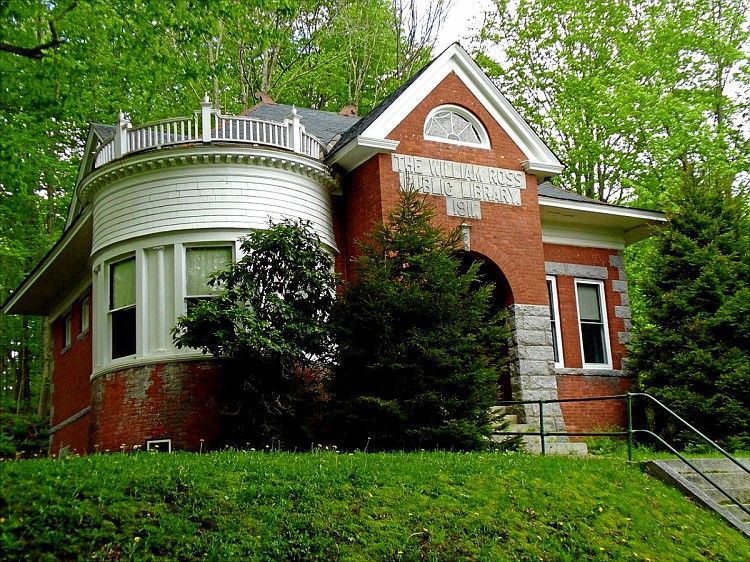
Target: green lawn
[{"x": 284, "y": 506}]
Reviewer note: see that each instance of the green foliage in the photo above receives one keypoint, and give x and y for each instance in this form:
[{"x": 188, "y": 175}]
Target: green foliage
[
  {"x": 693, "y": 352},
  {"x": 23, "y": 435},
  {"x": 420, "y": 351},
  {"x": 628, "y": 94},
  {"x": 271, "y": 320},
  {"x": 156, "y": 60},
  {"x": 325, "y": 506}
]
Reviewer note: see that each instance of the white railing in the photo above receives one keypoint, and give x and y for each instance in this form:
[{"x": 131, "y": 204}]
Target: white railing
[
  {"x": 208, "y": 125},
  {"x": 104, "y": 154},
  {"x": 160, "y": 133}
]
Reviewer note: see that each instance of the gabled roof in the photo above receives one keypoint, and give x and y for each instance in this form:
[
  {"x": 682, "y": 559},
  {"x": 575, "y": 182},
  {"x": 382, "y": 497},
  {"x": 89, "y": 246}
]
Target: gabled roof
[
  {"x": 322, "y": 124},
  {"x": 376, "y": 112},
  {"x": 369, "y": 136}
]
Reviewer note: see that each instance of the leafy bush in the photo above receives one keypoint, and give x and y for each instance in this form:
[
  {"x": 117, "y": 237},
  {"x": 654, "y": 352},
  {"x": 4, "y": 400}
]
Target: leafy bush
[
  {"x": 271, "y": 321},
  {"x": 24, "y": 435}
]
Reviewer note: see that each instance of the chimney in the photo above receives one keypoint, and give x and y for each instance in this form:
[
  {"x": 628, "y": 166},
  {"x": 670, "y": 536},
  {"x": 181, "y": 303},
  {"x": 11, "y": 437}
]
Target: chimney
[
  {"x": 349, "y": 111},
  {"x": 264, "y": 97}
]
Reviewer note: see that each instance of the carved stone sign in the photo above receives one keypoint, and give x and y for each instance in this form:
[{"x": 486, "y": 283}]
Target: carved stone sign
[{"x": 463, "y": 185}]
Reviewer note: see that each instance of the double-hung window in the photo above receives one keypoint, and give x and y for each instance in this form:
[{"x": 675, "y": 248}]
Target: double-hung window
[
  {"x": 85, "y": 316},
  {"x": 122, "y": 307},
  {"x": 554, "y": 320},
  {"x": 67, "y": 331},
  {"x": 201, "y": 262},
  {"x": 592, "y": 318}
]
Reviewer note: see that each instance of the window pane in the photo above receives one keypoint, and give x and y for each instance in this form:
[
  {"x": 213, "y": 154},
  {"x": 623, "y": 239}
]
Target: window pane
[
  {"x": 550, "y": 295},
  {"x": 122, "y": 284},
  {"x": 85, "y": 315},
  {"x": 451, "y": 125},
  {"x": 593, "y": 343},
  {"x": 67, "y": 331},
  {"x": 588, "y": 303},
  {"x": 200, "y": 264},
  {"x": 123, "y": 332}
]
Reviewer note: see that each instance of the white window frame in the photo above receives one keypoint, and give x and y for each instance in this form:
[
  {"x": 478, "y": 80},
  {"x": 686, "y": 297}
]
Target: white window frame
[
  {"x": 85, "y": 324},
  {"x": 484, "y": 139},
  {"x": 605, "y": 324},
  {"x": 135, "y": 305},
  {"x": 557, "y": 332},
  {"x": 67, "y": 323},
  {"x": 154, "y": 444}
]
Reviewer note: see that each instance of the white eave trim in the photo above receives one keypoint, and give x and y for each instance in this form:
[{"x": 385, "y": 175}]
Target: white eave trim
[
  {"x": 540, "y": 158},
  {"x": 602, "y": 209},
  {"x": 542, "y": 169},
  {"x": 361, "y": 149}
]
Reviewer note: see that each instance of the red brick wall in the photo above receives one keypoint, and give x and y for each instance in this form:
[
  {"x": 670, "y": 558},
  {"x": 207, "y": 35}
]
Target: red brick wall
[
  {"x": 74, "y": 436},
  {"x": 361, "y": 210},
  {"x": 592, "y": 416},
  {"x": 71, "y": 387},
  {"x": 509, "y": 236},
  {"x": 567, "y": 300},
  {"x": 179, "y": 401}
]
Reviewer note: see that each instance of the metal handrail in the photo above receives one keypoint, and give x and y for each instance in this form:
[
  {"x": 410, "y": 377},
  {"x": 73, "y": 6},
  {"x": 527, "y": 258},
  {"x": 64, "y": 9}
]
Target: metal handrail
[
  {"x": 691, "y": 428},
  {"x": 629, "y": 432}
]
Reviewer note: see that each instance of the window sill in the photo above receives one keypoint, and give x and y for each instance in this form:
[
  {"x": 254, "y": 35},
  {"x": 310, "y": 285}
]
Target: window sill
[
  {"x": 591, "y": 371},
  {"x": 65, "y": 349},
  {"x": 83, "y": 334}
]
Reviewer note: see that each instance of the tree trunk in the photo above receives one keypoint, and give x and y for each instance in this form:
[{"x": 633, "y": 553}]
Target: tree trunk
[{"x": 43, "y": 406}]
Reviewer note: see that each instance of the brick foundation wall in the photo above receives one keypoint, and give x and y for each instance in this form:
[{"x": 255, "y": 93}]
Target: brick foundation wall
[
  {"x": 593, "y": 416},
  {"x": 179, "y": 401},
  {"x": 74, "y": 437}
]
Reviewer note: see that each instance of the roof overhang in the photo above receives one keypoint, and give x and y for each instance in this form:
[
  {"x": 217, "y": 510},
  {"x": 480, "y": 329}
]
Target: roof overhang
[
  {"x": 633, "y": 224},
  {"x": 361, "y": 149},
  {"x": 59, "y": 270}
]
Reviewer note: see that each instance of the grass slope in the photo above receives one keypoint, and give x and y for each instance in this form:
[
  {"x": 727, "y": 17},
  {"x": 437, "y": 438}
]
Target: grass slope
[{"x": 283, "y": 506}]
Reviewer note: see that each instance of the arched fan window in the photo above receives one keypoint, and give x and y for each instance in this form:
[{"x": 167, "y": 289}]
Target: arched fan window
[{"x": 453, "y": 124}]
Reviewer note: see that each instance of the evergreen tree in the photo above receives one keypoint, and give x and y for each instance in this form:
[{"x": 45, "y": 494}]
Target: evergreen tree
[
  {"x": 271, "y": 321},
  {"x": 420, "y": 348},
  {"x": 693, "y": 352}
]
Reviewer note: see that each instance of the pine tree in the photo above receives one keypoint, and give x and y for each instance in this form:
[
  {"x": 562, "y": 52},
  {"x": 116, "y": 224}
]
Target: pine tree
[
  {"x": 420, "y": 348},
  {"x": 693, "y": 352}
]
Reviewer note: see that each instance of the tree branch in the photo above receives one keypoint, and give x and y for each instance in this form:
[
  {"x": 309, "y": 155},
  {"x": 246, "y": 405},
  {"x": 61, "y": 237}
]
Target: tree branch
[{"x": 38, "y": 51}]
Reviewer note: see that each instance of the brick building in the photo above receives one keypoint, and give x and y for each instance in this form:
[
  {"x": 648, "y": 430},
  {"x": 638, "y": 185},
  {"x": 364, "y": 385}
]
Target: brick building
[{"x": 157, "y": 207}]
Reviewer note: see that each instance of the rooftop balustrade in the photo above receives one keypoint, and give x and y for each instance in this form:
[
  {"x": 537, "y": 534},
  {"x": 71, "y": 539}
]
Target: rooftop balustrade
[{"x": 207, "y": 125}]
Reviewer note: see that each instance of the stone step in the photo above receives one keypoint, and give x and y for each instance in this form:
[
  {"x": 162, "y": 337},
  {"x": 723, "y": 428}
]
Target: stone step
[
  {"x": 552, "y": 448},
  {"x": 713, "y": 465},
  {"x": 723, "y": 479},
  {"x": 735, "y": 511},
  {"x": 740, "y": 494}
]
